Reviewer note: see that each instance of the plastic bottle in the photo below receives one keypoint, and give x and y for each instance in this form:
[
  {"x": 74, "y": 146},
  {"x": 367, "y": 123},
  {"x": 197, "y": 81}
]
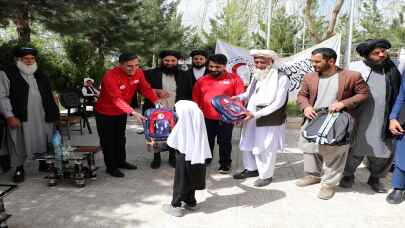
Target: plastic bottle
[{"x": 58, "y": 149}]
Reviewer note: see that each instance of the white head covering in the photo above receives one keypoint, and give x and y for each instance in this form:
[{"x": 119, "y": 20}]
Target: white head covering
[
  {"x": 268, "y": 77},
  {"x": 87, "y": 79},
  {"x": 266, "y": 54},
  {"x": 189, "y": 136}
]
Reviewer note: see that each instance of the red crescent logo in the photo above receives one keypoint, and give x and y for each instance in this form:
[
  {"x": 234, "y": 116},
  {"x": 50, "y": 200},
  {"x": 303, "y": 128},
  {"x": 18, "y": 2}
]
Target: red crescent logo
[{"x": 236, "y": 66}]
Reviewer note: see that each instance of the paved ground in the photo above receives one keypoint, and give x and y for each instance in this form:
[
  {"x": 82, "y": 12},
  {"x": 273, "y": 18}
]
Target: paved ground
[{"x": 136, "y": 200}]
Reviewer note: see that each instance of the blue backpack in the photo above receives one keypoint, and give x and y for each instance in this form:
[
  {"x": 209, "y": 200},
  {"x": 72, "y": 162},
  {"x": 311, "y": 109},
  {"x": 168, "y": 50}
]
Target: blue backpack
[
  {"x": 230, "y": 110},
  {"x": 159, "y": 123}
]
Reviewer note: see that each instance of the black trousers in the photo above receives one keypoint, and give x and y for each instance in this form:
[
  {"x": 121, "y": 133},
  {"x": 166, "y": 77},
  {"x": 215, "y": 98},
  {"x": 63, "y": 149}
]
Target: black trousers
[
  {"x": 187, "y": 179},
  {"x": 223, "y": 132},
  {"x": 378, "y": 167},
  {"x": 111, "y": 130}
]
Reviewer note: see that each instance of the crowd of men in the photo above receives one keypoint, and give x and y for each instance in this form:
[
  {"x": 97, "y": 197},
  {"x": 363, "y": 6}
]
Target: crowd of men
[{"x": 370, "y": 90}]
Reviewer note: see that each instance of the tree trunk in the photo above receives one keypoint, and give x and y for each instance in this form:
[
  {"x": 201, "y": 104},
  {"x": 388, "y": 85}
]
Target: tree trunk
[
  {"x": 310, "y": 20},
  {"x": 309, "y": 17},
  {"x": 332, "y": 23},
  {"x": 22, "y": 23}
]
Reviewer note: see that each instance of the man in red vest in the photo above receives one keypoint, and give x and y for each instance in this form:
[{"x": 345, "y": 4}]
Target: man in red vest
[
  {"x": 217, "y": 82},
  {"x": 118, "y": 87}
]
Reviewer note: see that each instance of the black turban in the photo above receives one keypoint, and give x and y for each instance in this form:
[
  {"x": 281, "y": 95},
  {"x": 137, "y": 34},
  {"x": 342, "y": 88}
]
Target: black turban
[
  {"x": 365, "y": 48},
  {"x": 23, "y": 51},
  {"x": 199, "y": 52},
  {"x": 169, "y": 53}
]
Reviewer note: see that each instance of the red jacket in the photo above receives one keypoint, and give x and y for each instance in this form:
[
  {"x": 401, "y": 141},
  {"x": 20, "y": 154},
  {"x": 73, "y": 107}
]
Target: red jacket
[
  {"x": 207, "y": 87},
  {"x": 117, "y": 90}
]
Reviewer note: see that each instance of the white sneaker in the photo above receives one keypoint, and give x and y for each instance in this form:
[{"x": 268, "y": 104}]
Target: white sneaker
[
  {"x": 173, "y": 211},
  {"x": 139, "y": 129}
]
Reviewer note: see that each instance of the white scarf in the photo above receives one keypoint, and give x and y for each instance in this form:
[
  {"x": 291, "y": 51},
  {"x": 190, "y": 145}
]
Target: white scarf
[
  {"x": 189, "y": 136},
  {"x": 27, "y": 69},
  {"x": 267, "y": 84}
]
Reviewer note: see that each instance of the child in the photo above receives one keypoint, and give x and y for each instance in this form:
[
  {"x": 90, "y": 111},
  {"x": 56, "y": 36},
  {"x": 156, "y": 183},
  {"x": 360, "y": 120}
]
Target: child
[{"x": 189, "y": 138}]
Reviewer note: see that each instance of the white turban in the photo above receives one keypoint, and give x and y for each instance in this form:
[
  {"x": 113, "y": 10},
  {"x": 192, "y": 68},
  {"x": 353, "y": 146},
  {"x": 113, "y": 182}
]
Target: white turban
[
  {"x": 265, "y": 54},
  {"x": 87, "y": 79}
]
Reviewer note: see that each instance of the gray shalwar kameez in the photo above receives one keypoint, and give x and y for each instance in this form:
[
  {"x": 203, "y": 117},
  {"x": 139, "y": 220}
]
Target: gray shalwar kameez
[
  {"x": 32, "y": 138},
  {"x": 367, "y": 141}
]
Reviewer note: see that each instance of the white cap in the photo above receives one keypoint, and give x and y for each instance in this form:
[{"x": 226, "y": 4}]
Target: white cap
[
  {"x": 265, "y": 54},
  {"x": 87, "y": 79}
]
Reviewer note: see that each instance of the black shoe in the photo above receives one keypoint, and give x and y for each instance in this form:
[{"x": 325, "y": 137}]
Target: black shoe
[
  {"x": 224, "y": 169},
  {"x": 347, "y": 182},
  {"x": 43, "y": 167},
  {"x": 128, "y": 165},
  {"x": 115, "y": 173},
  {"x": 156, "y": 162},
  {"x": 376, "y": 185},
  {"x": 262, "y": 182},
  {"x": 245, "y": 174},
  {"x": 19, "y": 175},
  {"x": 396, "y": 196}
]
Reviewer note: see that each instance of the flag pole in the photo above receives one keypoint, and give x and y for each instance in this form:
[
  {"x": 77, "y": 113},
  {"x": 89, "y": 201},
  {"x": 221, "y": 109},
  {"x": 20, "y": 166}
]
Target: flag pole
[
  {"x": 269, "y": 15},
  {"x": 348, "y": 52}
]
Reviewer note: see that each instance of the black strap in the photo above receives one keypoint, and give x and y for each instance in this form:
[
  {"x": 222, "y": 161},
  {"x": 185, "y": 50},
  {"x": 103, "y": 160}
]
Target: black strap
[{"x": 251, "y": 90}]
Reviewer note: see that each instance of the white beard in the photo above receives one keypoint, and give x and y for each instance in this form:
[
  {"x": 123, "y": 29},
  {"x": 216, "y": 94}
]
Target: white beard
[
  {"x": 260, "y": 74},
  {"x": 26, "y": 69}
]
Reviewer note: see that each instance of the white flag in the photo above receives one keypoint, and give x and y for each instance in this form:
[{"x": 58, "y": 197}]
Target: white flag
[
  {"x": 239, "y": 60},
  {"x": 295, "y": 67}
]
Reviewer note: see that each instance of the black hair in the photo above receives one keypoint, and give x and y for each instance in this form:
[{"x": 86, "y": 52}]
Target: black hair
[
  {"x": 327, "y": 53},
  {"x": 127, "y": 56},
  {"x": 199, "y": 52},
  {"x": 219, "y": 59}
]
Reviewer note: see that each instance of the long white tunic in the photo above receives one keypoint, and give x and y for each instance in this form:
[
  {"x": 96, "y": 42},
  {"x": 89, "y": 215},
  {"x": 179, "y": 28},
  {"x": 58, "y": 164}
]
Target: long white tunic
[{"x": 261, "y": 139}]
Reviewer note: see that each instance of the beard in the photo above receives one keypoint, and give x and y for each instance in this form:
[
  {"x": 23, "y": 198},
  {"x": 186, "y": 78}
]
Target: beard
[
  {"x": 27, "y": 69},
  {"x": 259, "y": 74},
  {"x": 216, "y": 74},
  {"x": 198, "y": 66},
  {"x": 379, "y": 67},
  {"x": 169, "y": 70}
]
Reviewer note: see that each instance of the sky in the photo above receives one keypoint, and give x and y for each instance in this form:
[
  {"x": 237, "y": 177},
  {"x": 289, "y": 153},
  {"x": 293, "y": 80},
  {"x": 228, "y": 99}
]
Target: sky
[{"x": 193, "y": 10}]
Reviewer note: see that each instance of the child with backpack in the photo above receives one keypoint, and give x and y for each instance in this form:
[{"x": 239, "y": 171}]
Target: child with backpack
[{"x": 189, "y": 139}]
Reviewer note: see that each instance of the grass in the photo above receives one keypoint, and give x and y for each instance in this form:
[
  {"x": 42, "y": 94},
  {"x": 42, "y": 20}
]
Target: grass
[{"x": 293, "y": 109}]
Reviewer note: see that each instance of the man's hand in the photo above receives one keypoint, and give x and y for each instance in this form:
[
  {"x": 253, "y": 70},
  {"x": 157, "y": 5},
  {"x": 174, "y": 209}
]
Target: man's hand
[
  {"x": 395, "y": 127},
  {"x": 249, "y": 115},
  {"x": 235, "y": 98},
  {"x": 13, "y": 122},
  {"x": 138, "y": 116},
  {"x": 337, "y": 107},
  {"x": 158, "y": 104},
  {"x": 162, "y": 93},
  {"x": 309, "y": 112}
]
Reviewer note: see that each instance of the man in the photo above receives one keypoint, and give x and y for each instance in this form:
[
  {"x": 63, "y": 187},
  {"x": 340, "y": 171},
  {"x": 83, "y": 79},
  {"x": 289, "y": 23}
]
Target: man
[
  {"x": 118, "y": 86},
  {"x": 89, "y": 92},
  {"x": 28, "y": 105},
  {"x": 335, "y": 89},
  {"x": 397, "y": 195},
  {"x": 217, "y": 82},
  {"x": 373, "y": 139},
  {"x": 263, "y": 128},
  {"x": 171, "y": 85},
  {"x": 198, "y": 65}
]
